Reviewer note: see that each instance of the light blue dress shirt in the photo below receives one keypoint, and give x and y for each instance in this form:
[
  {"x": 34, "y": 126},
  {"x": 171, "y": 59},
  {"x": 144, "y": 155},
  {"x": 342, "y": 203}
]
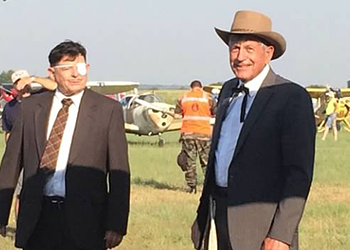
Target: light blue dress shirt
[{"x": 231, "y": 128}]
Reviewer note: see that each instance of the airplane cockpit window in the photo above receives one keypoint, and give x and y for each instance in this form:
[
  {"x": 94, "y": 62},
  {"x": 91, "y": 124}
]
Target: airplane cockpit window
[
  {"x": 150, "y": 98},
  {"x": 124, "y": 101}
]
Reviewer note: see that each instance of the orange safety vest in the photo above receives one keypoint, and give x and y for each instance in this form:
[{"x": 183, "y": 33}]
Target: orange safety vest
[{"x": 196, "y": 112}]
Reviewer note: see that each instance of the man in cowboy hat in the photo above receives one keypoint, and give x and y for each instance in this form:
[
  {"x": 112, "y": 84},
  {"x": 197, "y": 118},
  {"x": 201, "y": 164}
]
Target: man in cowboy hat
[{"x": 261, "y": 160}]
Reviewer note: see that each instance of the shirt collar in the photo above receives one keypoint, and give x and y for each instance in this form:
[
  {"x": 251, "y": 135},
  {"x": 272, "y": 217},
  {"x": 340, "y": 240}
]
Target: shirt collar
[
  {"x": 255, "y": 84},
  {"x": 76, "y": 98}
]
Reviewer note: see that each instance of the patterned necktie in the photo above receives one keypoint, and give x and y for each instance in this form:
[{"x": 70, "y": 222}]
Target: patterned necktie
[{"x": 49, "y": 158}]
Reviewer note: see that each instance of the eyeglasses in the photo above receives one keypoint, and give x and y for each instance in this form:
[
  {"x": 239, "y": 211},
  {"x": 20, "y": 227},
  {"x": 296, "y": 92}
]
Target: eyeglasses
[{"x": 81, "y": 67}]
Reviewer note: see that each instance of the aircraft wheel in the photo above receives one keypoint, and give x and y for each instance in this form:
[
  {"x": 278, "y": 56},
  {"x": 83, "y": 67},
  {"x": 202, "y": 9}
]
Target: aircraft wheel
[{"x": 161, "y": 142}]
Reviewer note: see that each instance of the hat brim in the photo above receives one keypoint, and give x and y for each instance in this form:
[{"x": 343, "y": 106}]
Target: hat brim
[{"x": 273, "y": 38}]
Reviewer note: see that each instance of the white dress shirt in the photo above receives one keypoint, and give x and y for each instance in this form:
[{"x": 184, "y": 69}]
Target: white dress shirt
[
  {"x": 56, "y": 184},
  {"x": 231, "y": 128}
]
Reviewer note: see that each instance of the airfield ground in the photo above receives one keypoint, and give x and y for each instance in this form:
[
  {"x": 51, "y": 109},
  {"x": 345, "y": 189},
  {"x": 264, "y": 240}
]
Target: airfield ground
[{"x": 162, "y": 213}]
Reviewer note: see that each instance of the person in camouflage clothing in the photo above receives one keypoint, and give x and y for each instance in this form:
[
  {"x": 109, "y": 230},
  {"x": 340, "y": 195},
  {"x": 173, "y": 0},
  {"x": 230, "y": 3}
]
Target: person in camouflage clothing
[{"x": 196, "y": 108}]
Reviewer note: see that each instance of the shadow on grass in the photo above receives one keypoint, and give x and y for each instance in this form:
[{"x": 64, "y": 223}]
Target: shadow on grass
[{"x": 155, "y": 184}]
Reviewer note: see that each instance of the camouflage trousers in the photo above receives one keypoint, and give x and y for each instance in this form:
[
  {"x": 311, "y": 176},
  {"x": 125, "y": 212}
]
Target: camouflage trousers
[{"x": 192, "y": 148}]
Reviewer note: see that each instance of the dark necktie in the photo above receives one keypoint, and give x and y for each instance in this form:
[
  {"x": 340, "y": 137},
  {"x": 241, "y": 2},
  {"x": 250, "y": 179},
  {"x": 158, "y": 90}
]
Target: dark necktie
[
  {"x": 49, "y": 158},
  {"x": 235, "y": 92}
]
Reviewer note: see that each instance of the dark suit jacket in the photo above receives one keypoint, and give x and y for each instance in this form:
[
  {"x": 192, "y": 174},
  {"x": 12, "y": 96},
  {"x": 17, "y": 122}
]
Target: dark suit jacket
[
  {"x": 97, "y": 175},
  {"x": 271, "y": 171}
]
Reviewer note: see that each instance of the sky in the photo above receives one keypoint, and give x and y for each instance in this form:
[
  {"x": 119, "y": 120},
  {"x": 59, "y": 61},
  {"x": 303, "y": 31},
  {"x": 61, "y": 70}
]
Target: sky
[{"x": 173, "y": 41}]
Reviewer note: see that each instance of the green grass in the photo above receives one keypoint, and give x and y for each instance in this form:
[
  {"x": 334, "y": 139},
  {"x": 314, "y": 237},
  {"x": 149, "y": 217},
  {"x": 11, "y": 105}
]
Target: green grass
[{"x": 162, "y": 213}]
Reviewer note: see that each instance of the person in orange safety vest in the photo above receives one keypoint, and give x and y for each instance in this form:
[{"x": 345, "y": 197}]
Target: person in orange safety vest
[{"x": 196, "y": 108}]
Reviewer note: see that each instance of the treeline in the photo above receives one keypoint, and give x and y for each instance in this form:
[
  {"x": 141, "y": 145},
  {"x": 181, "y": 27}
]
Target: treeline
[{"x": 5, "y": 76}]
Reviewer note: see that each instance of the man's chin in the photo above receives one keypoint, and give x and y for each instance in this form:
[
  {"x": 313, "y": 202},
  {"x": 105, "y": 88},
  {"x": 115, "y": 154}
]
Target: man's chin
[
  {"x": 243, "y": 77},
  {"x": 70, "y": 92}
]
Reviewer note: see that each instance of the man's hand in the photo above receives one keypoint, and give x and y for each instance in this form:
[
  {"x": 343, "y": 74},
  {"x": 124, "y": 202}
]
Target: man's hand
[
  {"x": 46, "y": 82},
  {"x": 23, "y": 82},
  {"x": 3, "y": 231},
  {"x": 272, "y": 244},
  {"x": 113, "y": 239}
]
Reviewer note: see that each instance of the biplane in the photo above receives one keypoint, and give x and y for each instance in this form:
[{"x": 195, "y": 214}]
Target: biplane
[{"x": 321, "y": 97}]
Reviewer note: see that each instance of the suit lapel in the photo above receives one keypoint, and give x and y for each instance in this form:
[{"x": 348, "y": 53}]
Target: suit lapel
[
  {"x": 261, "y": 99},
  {"x": 221, "y": 112},
  {"x": 41, "y": 118},
  {"x": 83, "y": 127}
]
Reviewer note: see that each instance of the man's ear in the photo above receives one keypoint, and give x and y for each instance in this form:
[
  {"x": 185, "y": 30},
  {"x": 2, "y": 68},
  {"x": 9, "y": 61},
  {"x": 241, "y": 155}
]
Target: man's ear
[
  {"x": 269, "y": 53},
  {"x": 51, "y": 73}
]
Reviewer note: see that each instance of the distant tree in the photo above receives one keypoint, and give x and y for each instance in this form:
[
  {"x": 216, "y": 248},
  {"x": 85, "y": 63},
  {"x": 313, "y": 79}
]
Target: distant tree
[
  {"x": 5, "y": 76},
  {"x": 153, "y": 88},
  {"x": 348, "y": 83}
]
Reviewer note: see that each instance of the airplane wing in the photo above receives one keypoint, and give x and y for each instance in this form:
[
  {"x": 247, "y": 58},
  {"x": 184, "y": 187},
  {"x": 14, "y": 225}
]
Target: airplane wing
[
  {"x": 316, "y": 92},
  {"x": 131, "y": 127},
  {"x": 111, "y": 87},
  {"x": 345, "y": 92},
  {"x": 210, "y": 88}
]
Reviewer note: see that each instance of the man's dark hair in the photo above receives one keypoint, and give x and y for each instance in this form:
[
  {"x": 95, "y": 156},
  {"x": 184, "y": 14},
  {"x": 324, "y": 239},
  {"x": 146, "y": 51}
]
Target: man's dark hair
[
  {"x": 66, "y": 48},
  {"x": 196, "y": 83}
]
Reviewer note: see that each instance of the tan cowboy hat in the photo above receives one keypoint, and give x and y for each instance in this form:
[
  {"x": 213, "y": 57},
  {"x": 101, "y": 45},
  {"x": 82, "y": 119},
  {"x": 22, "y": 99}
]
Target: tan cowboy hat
[{"x": 254, "y": 23}]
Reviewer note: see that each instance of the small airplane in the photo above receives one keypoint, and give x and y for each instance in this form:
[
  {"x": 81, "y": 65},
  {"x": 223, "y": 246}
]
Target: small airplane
[
  {"x": 147, "y": 114},
  {"x": 320, "y": 98}
]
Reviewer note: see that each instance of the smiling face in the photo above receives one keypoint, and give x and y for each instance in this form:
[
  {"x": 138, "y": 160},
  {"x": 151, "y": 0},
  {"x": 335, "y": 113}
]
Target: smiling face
[
  {"x": 248, "y": 56},
  {"x": 69, "y": 75}
]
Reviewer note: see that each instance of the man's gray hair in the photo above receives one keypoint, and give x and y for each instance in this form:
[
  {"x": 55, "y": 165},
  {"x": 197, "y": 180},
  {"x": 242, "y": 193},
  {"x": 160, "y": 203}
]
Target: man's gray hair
[{"x": 235, "y": 38}]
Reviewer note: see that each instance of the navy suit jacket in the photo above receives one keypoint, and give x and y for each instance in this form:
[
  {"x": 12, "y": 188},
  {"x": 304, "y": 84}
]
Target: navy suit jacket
[{"x": 270, "y": 174}]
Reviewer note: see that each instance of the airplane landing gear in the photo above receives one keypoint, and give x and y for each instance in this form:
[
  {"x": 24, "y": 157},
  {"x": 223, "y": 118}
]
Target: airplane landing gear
[{"x": 161, "y": 141}]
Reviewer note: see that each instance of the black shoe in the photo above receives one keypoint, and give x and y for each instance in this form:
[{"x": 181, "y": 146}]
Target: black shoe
[{"x": 191, "y": 190}]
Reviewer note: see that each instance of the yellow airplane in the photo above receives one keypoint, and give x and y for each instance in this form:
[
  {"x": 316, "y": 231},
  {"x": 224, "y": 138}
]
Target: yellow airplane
[{"x": 321, "y": 97}]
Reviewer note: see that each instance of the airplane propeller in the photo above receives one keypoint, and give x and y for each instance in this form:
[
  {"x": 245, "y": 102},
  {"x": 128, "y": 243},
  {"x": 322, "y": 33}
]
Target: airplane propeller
[{"x": 164, "y": 111}]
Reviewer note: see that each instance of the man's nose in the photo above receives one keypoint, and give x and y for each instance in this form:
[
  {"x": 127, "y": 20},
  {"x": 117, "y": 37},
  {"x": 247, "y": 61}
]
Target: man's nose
[
  {"x": 75, "y": 72},
  {"x": 241, "y": 55}
]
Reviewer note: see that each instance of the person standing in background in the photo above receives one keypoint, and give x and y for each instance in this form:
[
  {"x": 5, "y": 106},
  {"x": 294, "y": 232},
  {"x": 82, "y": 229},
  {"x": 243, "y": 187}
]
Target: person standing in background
[
  {"x": 196, "y": 108},
  {"x": 21, "y": 87}
]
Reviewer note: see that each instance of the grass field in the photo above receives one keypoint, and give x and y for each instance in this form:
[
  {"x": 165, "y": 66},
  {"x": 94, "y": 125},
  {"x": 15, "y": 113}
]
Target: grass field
[{"x": 162, "y": 213}]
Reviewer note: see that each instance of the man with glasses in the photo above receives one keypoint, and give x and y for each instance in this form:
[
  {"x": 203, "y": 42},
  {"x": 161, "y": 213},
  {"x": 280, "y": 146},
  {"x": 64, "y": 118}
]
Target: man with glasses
[{"x": 71, "y": 144}]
